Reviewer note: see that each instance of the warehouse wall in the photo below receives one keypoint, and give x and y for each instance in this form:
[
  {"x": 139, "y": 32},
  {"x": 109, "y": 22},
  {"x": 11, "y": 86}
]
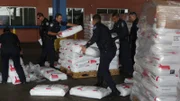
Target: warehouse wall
[{"x": 31, "y": 35}]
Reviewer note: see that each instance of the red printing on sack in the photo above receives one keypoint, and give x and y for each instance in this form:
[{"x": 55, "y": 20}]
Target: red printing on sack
[
  {"x": 49, "y": 71},
  {"x": 164, "y": 67},
  {"x": 12, "y": 68},
  {"x": 54, "y": 76}
]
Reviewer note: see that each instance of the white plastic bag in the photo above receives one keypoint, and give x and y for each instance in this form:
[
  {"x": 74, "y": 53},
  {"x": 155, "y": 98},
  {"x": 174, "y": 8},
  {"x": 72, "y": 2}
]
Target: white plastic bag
[
  {"x": 159, "y": 90},
  {"x": 90, "y": 51},
  {"x": 49, "y": 90},
  {"x": 13, "y": 74},
  {"x": 69, "y": 32},
  {"x": 124, "y": 88},
  {"x": 89, "y": 92},
  {"x": 128, "y": 80},
  {"x": 170, "y": 80},
  {"x": 52, "y": 74},
  {"x": 40, "y": 41},
  {"x": 137, "y": 96}
]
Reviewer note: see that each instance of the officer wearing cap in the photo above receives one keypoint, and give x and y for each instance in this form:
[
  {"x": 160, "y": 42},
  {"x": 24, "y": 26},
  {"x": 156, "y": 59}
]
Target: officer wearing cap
[
  {"x": 43, "y": 33},
  {"x": 10, "y": 49},
  {"x": 133, "y": 33},
  {"x": 120, "y": 27},
  {"x": 53, "y": 30},
  {"x": 107, "y": 47}
]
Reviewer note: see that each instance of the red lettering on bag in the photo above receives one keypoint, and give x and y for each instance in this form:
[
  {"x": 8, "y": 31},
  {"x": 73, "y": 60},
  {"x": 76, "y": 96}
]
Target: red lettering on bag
[
  {"x": 54, "y": 76},
  {"x": 12, "y": 68},
  {"x": 164, "y": 67}
]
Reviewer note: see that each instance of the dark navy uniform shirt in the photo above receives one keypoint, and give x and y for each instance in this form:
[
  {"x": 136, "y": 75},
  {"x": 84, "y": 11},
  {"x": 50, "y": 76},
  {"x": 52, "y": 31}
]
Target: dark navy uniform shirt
[
  {"x": 134, "y": 29},
  {"x": 121, "y": 29},
  {"x": 9, "y": 42},
  {"x": 102, "y": 36},
  {"x": 44, "y": 27},
  {"x": 55, "y": 27}
]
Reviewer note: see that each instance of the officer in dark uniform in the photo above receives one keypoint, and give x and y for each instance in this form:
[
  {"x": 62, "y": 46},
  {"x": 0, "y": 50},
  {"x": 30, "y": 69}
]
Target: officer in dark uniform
[
  {"x": 43, "y": 33},
  {"x": 10, "y": 49},
  {"x": 120, "y": 27},
  {"x": 107, "y": 47},
  {"x": 53, "y": 30},
  {"x": 133, "y": 34}
]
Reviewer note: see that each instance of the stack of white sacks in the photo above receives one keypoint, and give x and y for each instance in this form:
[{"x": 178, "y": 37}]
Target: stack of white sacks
[
  {"x": 72, "y": 58},
  {"x": 157, "y": 55}
]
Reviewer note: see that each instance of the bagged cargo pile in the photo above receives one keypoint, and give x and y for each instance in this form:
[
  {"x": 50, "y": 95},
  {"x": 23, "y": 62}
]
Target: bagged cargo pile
[
  {"x": 157, "y": 59},
  {"x": 72, "y": 58}
]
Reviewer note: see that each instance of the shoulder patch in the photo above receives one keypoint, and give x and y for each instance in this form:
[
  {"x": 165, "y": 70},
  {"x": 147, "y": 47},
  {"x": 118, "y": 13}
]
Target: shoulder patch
[
  {"x": 122, "y": 24},
  {"x": 94, "y": 27},
  {"x": 51, "y": 25},
  {"x": 47, "y": 23}
]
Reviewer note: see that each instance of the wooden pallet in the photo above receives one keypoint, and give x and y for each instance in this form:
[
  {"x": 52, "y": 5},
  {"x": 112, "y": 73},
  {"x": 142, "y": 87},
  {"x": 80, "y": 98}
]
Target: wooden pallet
[
  {"x": 135, "y": 98},
  {"x": 88, "y": 74}
]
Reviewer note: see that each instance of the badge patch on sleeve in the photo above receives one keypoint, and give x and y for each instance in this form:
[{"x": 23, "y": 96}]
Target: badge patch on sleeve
[
  {"x": 51, "y": 25},
  {"x": 94, "y": 27},
  {"x": 47, "y": 23},
  {"x": 122, "y": 24}
]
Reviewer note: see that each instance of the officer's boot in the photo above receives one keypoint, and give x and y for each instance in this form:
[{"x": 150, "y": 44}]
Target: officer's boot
[{"x": 115, "y": 92}]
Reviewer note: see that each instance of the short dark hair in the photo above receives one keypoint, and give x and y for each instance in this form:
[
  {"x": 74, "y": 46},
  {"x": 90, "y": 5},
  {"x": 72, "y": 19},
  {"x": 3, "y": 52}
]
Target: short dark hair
[
  {"x": 97, "y": 17},
  {"x": 40, "y": 14},
  {"x": 115, "y": 14},
  {"x": 133, "y": 13},
  {"x": 58, "y": 14},
  {"x": 6, "y": 29}
]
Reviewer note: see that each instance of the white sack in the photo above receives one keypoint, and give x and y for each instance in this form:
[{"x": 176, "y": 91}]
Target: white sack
[
  {"x": 69, "y": 32},
  {"x": 40, "y": 41},
  {"x": 128, "y": 80},
  {"x": 52, "y": 74},
  {"x": 159, "y": 90},
  {"x": 49, "y": 90},
  {"x": 89, "y": 92}
]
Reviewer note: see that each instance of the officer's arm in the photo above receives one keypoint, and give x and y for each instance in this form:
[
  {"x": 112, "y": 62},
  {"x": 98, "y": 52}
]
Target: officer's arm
[
  {"x": 50, "y": 31},
  {"x": 94, "y": 38},
  {"x": 122, "y": 30},
  {"x": 67, "y": 24},
  {"x": 18, "y": 42},
  {"x": 70, "y": 24},
  {"x": 113, "y": 30}
]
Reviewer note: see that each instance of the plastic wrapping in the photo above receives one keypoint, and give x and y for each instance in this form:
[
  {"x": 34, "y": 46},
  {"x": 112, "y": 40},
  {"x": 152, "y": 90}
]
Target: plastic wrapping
[{"x": 69, "y": 32}]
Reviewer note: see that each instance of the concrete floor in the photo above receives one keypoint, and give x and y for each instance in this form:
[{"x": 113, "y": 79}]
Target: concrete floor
[{"x": 10, "y": 92}]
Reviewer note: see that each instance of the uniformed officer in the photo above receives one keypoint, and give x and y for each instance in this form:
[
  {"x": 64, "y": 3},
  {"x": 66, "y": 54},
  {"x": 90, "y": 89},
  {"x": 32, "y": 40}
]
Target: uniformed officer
[
  {"x": 120, "y": 27},
  {"x": 133, "y": 33},
  {"x": 43, "y": 33},
  {"x": 107, "y": 47},
  {"x": 54, "y": 28},
  {"x": 10, "y": 49}
]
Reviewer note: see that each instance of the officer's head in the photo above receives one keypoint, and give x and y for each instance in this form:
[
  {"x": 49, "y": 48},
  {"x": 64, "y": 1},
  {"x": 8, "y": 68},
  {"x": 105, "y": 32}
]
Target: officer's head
[
  {"x": 6, "y": 29},
  {"x": 96, "y": 19},
  {"x": 115, "y": 17},
  {"x": 40, "y": 16},
  {"x": 132, "y": 16},
  {"x": 58, "y": 17}
]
